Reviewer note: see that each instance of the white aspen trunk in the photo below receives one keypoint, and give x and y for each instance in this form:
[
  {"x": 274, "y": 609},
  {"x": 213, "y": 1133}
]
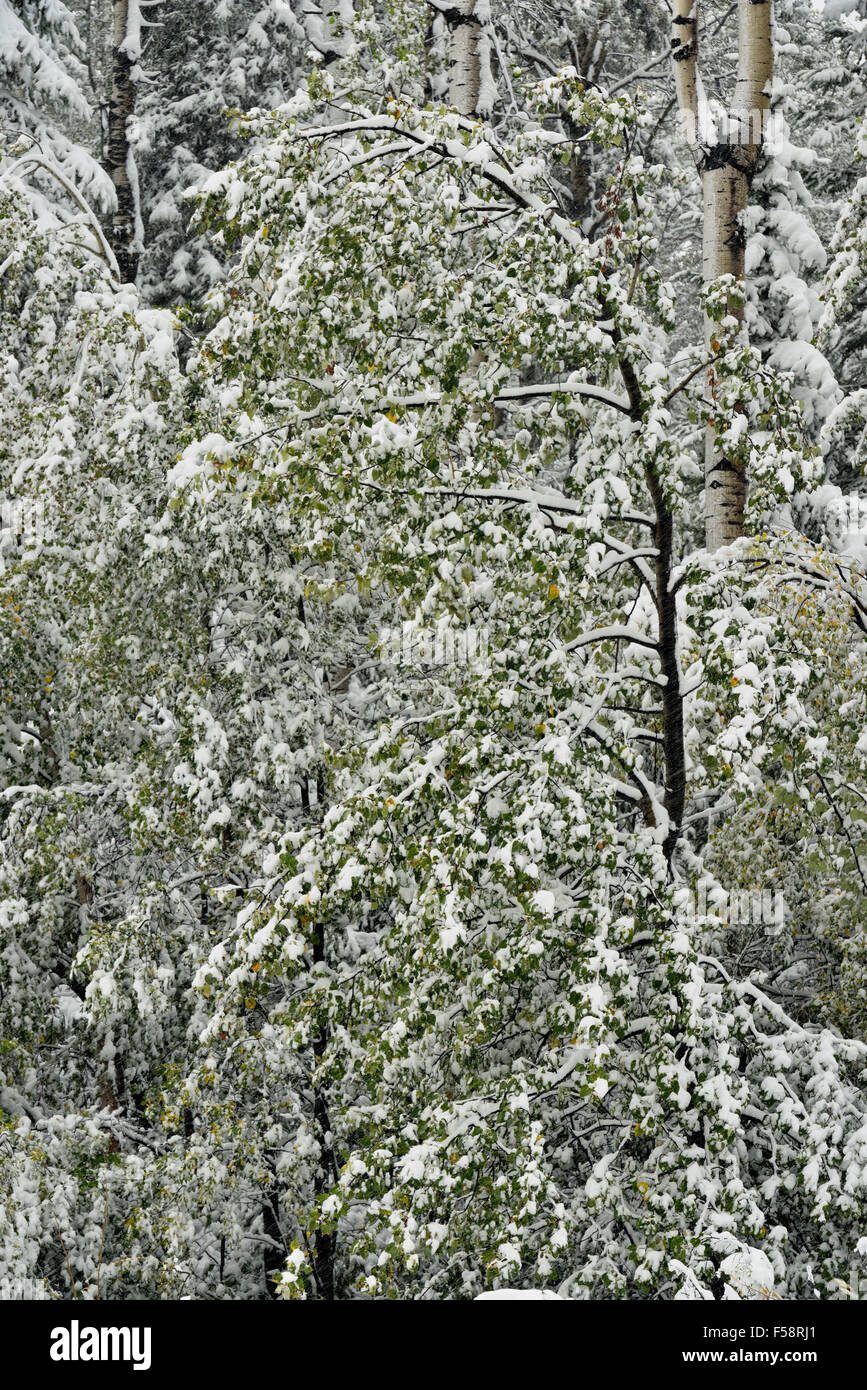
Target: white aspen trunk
[
  {"x": 724, "y": 190},
  {"x": 752, "y": 97},
  {"x": 470, "y": 84},
  {"x": 469, "y": 78},
  {"x": 124, "y": 231},
  {"x": 684, "y": 58},
  {"x": 463, "y": 63},
  {"x": 727, "y": 160}
]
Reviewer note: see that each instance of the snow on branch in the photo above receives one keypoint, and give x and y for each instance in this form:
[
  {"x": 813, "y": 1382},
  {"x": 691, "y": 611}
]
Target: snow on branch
[
  {"x": 472, "y": 157},
  {"x": 614, "y": 633},
  {"x": 104, "y": 251}
]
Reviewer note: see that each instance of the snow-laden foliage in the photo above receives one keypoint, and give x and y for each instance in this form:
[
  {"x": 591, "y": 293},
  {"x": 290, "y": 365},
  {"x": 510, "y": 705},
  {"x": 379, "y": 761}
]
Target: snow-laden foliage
[
  {"x": 42, "y": 104},
  {"x": 522, "y": 1060},
  {"x": 843, "y": 326},
  {"x": 87, "y": 382}
]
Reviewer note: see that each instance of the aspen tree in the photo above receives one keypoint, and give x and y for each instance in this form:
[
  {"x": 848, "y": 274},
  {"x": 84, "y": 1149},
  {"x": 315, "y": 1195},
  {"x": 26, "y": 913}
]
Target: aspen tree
[
  {"x": 470, "y": 87},
  {"x": 726, "y": 148}
]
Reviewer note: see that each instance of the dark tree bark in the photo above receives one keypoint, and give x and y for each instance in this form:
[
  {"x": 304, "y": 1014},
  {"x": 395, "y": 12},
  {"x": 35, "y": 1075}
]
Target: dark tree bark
[
  {"x": 274, "y": 1255},
  {"x": 122, "y": 229},
  {"x": 325, "y": 1248}
]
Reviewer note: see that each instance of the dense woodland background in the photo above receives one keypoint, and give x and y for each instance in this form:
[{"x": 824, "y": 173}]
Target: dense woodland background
[{"x": 433, "y": 814}]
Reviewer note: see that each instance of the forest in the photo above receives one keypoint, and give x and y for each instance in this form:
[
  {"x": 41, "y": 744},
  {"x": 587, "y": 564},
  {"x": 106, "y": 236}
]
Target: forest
[{"x": 433, "y": 649}]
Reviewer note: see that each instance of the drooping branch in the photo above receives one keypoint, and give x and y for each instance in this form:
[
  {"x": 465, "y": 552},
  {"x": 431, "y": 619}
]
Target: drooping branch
[
  {"x": 614, "y": 633},
  {"x": 510, "y": 395},
  {"x": 103, "y": 250}
]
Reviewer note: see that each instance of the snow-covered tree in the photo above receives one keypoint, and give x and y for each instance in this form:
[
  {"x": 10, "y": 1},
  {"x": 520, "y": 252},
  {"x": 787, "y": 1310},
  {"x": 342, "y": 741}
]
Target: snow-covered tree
[
  {"x": 126, "y": 228},
  {"x": 87, "y": 387},
  {"x": 198, "y": 62},
  {"x": 842, "y": 330},
  {"x": 522, "y": 1058},
  {"x": 42, "y": 102}
]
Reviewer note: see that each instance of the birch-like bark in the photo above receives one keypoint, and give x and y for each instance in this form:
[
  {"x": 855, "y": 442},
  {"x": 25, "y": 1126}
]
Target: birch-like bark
[
  {"x": 684, "y": 55},
  {"x": 752, "y": 97},
  {"x": 123, "y": 229},
  {"x": 463, "y": 64},
  {"x": 727, "y": 160},
  {"x": 470, "y": 87},
  {"x": 469, "y": 77}
]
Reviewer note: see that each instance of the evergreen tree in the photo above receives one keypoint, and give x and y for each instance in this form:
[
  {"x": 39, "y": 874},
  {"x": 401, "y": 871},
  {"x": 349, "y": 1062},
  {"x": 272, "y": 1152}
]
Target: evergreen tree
[{"x": 199, "y": 62}]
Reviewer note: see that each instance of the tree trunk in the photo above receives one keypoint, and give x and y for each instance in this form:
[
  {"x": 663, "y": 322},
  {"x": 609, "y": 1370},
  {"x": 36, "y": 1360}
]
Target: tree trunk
[
  {"x": 727, "y": 160},
  {"x": 464, "y": 74},
  {"x": 665, "y": 601},
  {"x": 469, "y": 79},
  {"x": 469, "y": 58},
  {"x": 274, "y": 1255},
  {"x": 123, "y": 231},
  {"x": 724, "y": 188}
]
